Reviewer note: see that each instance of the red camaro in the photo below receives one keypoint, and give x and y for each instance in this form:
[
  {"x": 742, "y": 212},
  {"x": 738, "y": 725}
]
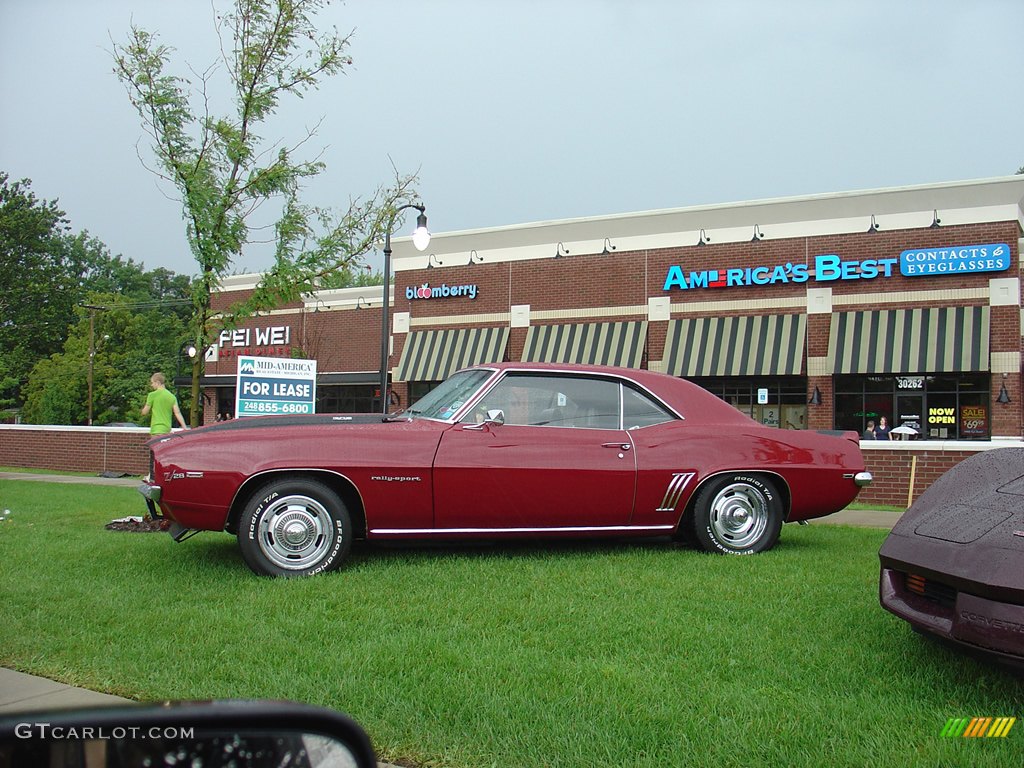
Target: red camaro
[{"x": 505, "y": 450}]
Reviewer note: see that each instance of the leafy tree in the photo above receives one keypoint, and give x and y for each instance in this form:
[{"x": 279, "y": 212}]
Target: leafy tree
[
  {"x": 101, "y": 272},
  {"x": 47, "y": 272},
  {"x": 223, "y": 170},
  {"x": 131, "y": 339},
  {"x": 37, "y": 301},
  {"x": 351, "y": 278}
]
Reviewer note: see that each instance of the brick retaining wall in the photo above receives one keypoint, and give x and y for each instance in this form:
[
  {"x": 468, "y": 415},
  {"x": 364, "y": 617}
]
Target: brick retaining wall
[
  {"x": 77, "y": 449},
  {"x": 892, "y": 463}
]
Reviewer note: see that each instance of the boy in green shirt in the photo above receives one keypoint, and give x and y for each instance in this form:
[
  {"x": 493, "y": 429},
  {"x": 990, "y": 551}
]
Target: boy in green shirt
[{"x": 162, "y": 402}]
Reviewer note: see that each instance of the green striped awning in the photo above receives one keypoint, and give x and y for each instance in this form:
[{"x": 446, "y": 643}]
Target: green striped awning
[
  {"x": 436, "y": 355},
  {"x": 620, "y": 344},
  {"x": 770, "y": 345},
  {"x": 935, "y": 340}
]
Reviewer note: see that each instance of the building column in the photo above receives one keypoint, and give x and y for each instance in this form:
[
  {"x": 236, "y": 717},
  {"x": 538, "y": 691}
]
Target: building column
[{"x": 819, "y": 375}]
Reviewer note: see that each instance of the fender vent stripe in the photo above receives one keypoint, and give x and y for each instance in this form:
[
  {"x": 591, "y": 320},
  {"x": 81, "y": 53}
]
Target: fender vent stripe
[{"x": 675, "y": 489}]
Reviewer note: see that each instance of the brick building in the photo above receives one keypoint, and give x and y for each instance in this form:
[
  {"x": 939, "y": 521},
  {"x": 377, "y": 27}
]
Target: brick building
[{"x": 813, "y": 312}]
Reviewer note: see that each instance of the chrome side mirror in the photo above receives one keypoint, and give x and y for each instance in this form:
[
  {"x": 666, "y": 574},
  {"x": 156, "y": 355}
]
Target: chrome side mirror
[{"x": 495, "y": 417}]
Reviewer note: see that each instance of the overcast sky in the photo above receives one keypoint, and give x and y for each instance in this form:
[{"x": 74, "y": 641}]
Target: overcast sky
[{"x": 526, "y": 111}]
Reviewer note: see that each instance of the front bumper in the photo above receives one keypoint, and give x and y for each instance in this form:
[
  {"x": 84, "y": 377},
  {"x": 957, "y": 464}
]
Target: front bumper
[
  {"x": 976, "y": 623},
  {"x": 152, "y": 493}
]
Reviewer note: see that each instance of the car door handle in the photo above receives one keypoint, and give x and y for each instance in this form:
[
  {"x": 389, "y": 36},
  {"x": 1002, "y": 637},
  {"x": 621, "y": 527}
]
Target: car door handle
[{"x": 617, "y": 446}]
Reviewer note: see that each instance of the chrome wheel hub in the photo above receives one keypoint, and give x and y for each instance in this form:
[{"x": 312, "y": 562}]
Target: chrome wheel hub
[
  {"x": 739, "y": 515},
  {"x": 295, "y": 532}
]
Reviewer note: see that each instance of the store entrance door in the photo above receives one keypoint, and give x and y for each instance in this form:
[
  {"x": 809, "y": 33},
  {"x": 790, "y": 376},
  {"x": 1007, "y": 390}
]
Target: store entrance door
[{"x": 910, "y": 413}]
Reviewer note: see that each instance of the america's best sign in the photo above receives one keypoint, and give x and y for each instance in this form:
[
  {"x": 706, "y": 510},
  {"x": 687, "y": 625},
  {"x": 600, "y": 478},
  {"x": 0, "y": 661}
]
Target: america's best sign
[{"x": 829, "y": 267}]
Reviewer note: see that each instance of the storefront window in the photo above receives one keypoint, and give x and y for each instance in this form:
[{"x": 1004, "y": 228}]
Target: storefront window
[
  {"x": 773, "y": 402},
  {"x": 418, "y": 389},
  {"x": 346, "y": 399},
  {"x": 225, "y": 403},
  {"x": 937, "y": 407}
]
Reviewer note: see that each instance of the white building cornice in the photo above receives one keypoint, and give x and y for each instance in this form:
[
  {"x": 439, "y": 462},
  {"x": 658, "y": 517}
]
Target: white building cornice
[{"x": 961, "y": 202}]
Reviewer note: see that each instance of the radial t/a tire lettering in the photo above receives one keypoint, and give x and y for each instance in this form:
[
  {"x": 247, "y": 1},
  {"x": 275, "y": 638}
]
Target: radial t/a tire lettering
[
  {"x": 294, "y": 527},
  {"x": 738, "y": 513}
]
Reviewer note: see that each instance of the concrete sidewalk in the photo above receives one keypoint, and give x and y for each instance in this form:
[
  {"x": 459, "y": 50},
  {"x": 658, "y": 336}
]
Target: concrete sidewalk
[
  {"x": 27, "y": 693},
  {"x": 131, "y": 482},
  {"x": 862, "y": 518}
]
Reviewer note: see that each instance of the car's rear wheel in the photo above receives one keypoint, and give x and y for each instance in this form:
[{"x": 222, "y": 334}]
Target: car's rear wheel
[
  {"x": 294, "y": 527},
  {"x": 738, "y": 514}
]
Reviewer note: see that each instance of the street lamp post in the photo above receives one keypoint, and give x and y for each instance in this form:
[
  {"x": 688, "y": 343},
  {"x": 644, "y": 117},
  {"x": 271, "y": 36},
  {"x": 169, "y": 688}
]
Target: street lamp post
[
  {"x": 186, "y": 350},
  {"x": 421, "y": 239}
]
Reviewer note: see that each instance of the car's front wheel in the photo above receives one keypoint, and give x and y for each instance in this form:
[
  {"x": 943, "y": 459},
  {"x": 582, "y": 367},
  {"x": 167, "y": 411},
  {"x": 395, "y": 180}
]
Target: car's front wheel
[
  {"x": 294, "y": 527},
  {"x": 738, "y": 514}
]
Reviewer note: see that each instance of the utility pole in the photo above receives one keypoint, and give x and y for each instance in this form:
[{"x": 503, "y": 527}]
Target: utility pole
[{"x": 93, "y": 309}]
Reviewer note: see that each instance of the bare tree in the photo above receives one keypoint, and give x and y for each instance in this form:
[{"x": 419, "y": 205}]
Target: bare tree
[{"x": 224, "y": 171}]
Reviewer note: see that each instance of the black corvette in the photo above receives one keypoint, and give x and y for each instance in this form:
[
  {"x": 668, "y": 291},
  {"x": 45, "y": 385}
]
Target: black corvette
[{"x": 953, "y": 565}]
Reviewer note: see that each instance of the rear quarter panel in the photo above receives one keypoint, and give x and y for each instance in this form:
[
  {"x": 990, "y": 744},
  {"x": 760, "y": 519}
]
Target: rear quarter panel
[{"x": 811, "y": 465}]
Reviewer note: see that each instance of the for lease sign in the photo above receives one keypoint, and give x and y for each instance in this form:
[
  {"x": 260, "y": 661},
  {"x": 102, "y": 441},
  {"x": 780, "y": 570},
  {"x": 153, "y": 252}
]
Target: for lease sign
[{"x": 270, "y": 385}]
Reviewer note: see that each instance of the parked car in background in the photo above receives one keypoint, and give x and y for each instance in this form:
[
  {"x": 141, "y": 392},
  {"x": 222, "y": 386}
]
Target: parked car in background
[
  {"x": 503, "y": 451},
  {"x": 953, "y": 566}
]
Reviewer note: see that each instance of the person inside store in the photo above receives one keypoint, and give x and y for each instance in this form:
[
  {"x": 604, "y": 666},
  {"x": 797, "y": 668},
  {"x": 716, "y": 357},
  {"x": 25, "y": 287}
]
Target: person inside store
[
  {"x": 869, "y": 432},
  {"x": 882, "y": 431}
]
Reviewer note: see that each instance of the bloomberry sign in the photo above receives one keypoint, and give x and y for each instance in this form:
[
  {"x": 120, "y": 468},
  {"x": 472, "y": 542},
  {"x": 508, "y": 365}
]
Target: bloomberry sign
[
  {"x": 830, "y": 267},
  {"x": 270, "y": 386},
  {"x": 442, "y": 291}
]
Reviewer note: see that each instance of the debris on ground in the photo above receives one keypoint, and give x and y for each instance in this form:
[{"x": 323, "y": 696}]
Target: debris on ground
[{"x": 138, "y": 524}]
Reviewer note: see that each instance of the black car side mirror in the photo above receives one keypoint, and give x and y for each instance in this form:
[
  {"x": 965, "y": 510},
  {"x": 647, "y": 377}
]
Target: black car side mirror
[{"x": 213, "y": 734}]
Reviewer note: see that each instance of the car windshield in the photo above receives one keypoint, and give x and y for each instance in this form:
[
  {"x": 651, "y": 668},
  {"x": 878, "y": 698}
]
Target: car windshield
[{"x": 448, "y": 397}]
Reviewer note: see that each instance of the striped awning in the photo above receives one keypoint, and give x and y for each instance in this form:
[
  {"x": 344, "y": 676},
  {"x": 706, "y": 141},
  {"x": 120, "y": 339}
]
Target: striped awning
[
  {"x": 934, "y": 340},
  {"x": 770, "y": 345},
  {"x": 436, "y": 355},
  {"x": 620, "y": 344}
]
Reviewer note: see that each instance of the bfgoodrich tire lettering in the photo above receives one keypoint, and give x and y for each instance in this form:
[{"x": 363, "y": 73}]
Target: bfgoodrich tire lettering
[
  {"x": 738, "y": 514},
  {"x": 294, "y": 528}
]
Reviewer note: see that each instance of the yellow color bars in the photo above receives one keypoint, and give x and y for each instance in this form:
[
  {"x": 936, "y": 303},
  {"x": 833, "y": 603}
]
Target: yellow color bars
[{"x": 978, "y": 727}]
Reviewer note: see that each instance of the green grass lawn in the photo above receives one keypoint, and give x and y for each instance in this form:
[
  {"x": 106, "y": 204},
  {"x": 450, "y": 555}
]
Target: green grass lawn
[{"x": 512, "y": 655}]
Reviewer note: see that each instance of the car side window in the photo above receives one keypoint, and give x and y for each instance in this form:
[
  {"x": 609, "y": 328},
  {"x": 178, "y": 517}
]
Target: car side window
[
  {"x": 639, "y": 410},
  {"x": 554, "y": 401}
]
